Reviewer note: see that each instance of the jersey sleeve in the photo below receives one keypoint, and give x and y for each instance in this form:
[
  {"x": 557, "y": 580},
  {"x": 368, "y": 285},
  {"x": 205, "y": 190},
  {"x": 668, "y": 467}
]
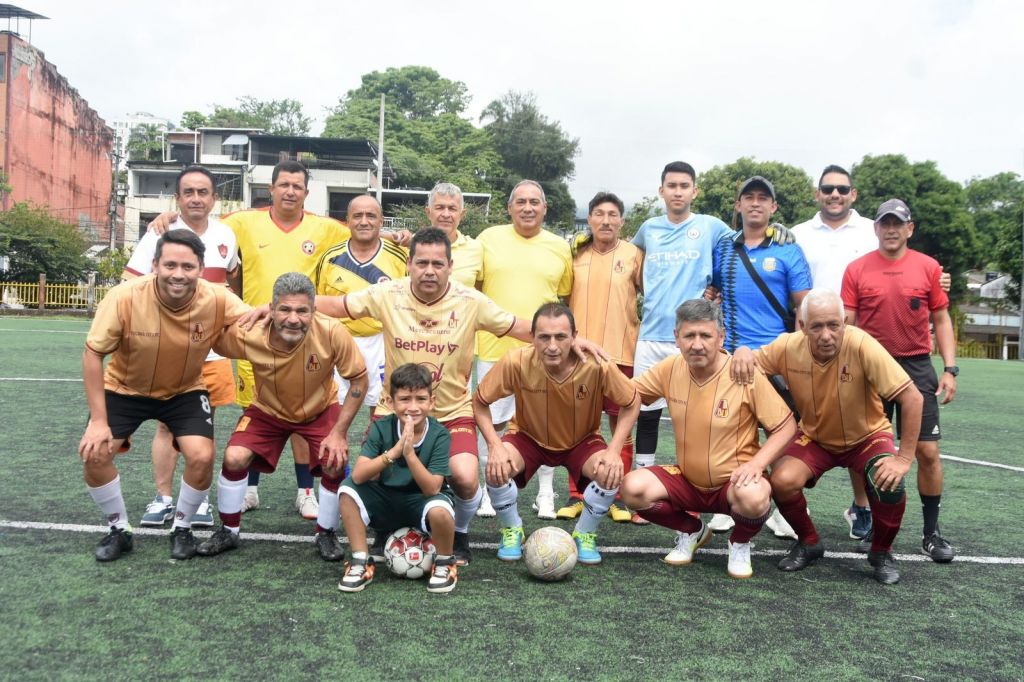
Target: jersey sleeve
[
  {"x": 490, "y": 317},
  {"x": 438, "y": 458},
  {"x": 884, "y": 373},
  {"x": 638, "y": 270},
  {"x": 937, "y": 298},
  {"x": 798, "y": 274},
  {"x": 375, "y": 444},
  {"x": 617, "y": 387},
  {"x": 849, "y": 292},
  {"x": 769, "y": 407},
  {"x": 565, "y": 283},
  {"x": 350, "y": 362},
  {"x": 367, "y": 302},
  {"x": 231, "y": 343},
  {"x": 639, "y": 239},
  {"x": 770, "y": 358},
  {"x": 652, "y": 384},
  {"x": 141, "y": 262},
  {"x": 501, "y": 381},
  {"x": 234, "y": 307},
  {"x": 107, "y": 326}
]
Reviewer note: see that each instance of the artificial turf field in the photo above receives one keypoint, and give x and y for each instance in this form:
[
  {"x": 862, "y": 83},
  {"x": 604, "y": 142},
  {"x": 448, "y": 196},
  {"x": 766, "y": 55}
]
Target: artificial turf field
[{"x": 272, "y": 609}]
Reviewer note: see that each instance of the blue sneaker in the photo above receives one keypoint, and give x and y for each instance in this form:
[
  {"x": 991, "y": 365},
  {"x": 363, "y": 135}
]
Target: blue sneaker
[
  {"x": 859, "y": 519},
  {"x": 203, "y": 518},
  {"x": 511, "y": 546},
  {"x": 157, "y": 513},
  {"x": 586, "y": 547}
]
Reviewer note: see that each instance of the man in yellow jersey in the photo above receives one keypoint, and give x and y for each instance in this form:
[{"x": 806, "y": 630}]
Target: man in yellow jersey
[
  {"x": 557, "y": 422},
  {"x": 353, "y": 265},
  {"x": 159, "y": 330},
  {"x": 524, "y": 266},
  {"x": 445, "y": 210},
  {"x": 720, "y": 464},
  {"x": 295, "y": 358},
  {"x": 607, "y": 276},
  {"x": 839, "y": 375}
]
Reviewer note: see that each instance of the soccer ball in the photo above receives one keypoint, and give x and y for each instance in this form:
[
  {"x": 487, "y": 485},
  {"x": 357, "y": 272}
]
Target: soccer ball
[
  {"x": 409, "y": 553},
  {"x": 550, "y": 554}
]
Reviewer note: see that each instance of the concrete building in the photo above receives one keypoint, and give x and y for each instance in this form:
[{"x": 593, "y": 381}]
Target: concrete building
[{"x": 123, "y": 128}]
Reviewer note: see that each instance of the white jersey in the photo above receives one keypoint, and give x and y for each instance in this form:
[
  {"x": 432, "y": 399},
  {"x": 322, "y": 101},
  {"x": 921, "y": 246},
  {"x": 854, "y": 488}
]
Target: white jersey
[{"x": 829, "y": 251}]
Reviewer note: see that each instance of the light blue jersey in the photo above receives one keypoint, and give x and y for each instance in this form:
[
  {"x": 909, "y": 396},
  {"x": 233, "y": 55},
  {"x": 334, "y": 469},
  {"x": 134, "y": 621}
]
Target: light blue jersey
[{"x": 678, "y": 266}]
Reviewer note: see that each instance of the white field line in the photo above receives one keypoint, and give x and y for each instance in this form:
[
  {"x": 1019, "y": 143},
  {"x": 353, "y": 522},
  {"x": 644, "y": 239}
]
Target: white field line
[
  {"x": 979, "y": 462},
  {"x": 307, "y": 539}
]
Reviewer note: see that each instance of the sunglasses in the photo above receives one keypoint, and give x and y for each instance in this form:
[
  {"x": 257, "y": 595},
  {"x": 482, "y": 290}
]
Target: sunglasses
[{"x": 842, "y": 189}]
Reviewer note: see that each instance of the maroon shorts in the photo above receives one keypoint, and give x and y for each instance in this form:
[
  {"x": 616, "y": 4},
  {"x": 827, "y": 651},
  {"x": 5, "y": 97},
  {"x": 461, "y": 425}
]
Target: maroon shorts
[
  {"x": 266, "y": 435},
  {"x": 573, "y": 459},
  {"x": 611, "y": 408},
  {"x": 687, "y": 496},
  {"x": 463, "y": 433},
  {"x": 819, "y": 460}
]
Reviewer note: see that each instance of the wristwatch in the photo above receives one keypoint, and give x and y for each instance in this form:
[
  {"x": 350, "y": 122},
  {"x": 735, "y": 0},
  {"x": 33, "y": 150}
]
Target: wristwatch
[{"x": 954, "y": 370}]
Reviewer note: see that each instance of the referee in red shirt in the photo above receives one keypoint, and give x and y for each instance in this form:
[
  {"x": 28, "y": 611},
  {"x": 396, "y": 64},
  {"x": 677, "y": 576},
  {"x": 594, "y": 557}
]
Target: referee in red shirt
[{"x": 893, "y": 293}]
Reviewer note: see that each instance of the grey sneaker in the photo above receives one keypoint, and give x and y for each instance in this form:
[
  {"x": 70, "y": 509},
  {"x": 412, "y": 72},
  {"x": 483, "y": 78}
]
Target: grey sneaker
[{"x": 157, "y": 513}]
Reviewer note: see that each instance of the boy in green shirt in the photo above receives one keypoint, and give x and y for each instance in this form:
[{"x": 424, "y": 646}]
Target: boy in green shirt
[{"x": 399, "y": 480}]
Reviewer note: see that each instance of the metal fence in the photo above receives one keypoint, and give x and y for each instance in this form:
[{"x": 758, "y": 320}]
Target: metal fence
[{"x": 41, "y": 295}]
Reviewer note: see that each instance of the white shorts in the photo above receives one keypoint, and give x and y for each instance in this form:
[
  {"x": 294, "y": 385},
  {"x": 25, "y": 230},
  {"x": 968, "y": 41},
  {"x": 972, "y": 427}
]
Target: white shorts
[
  {"x": 501, "y": 410},
  {"x": 648, "y": 354},
  {"x": 372, "y": 350}
]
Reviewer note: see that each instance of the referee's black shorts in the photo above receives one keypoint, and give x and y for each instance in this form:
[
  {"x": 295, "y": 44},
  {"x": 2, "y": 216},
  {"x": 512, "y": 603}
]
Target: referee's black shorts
[
  {"x": 187, "y": 414},
  {"x": 921, "y": 372}
]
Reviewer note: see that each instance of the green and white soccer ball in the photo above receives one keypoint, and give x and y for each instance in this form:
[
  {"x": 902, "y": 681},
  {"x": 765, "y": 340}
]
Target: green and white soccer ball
[{"x": 549, "y": 554}]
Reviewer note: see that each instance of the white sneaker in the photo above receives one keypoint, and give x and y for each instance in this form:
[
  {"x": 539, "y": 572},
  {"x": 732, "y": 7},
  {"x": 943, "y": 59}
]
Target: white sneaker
[
  {"x": 306, "y": 504},
  {"x": 252, "y": 498},
  {"x": 739, "y": 560},
  {"x": 485, "y": 509},
  {"x": 203, "y": 518},
  {"x": 687, "y": 544},
  {"x": 545, "y": 506},
  {"x": 780, "y": 526},
  {"x": 720, "y": 523}
]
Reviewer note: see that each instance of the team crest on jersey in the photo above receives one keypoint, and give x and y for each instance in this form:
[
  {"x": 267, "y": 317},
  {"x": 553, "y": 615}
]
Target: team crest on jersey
[
  {"x": 693, "y": 233},
  {"x": 198, "y": 332},
  {"x": 383, "y": 278},
  {"x": 312, "y": 364},
  {"x": 222, "y": 249},
  {"x": 428, "y": 323},
  {"x": 582, "y": 392},
  {"x": 769, "y": 264},
  {"x": 453, "y": 321},
  {"x": 308, "y": 247},
  {"x": 722, "y": 408},
  {"x": 618, "y": 267},
  {"x": 844, "y": 374}
]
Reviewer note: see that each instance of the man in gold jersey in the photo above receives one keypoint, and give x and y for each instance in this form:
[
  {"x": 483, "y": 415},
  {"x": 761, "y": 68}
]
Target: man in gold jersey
[
  {"x": 159, "y": 330},
  {"x": 353, "y": 265},
  {"x": 294, "y": 359},
  {"x": 557, "y": 422},
  {"x": 719, "y": 462},
  {"x": 839, "y": 376},
  {"x": 445, "y": 211}
]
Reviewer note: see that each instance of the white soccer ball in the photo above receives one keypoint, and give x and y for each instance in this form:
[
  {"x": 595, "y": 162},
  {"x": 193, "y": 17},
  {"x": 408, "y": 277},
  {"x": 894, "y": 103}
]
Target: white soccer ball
[
  {"x": 409, "y": 553},
  {"x": 550, "y": 553}
]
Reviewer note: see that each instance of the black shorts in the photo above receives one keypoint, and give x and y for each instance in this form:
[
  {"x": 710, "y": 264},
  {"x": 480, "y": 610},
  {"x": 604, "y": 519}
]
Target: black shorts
[
  {"x": 921, "y": 372},
  {"x": 188, "y": 414}
]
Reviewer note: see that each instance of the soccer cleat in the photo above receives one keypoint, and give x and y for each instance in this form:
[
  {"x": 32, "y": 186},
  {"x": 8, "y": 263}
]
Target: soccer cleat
[
  {"x": 801, "y": 556},
  {"x": 639, "y": 520},
  {"x": 157, "y": 513},
  {"x": 859, "y": 520},
  {"x": 444, "y": 576},
  {"x": 463, "y": 555},
  {"x": 511, "y": 546},
  {"x": 252, "y": 498},
  {"x": 329, "y": 546},
  {"x": 720, "y": 523},
  {"x": 586, "y": 547},
  {"x": 886, "y": 571},
  {"x": 778, "y": 524},
  {"x": 686, "y": 545},
  {"x": 544, "y": 505},
  {"x": 937, "y": 548},
  {"x": 486, "y": 509},
  {"x": 203, "y": 518},
  {"x": 358, "y": 574},
  {"x": 739, "y": 560},
  {"x": 571, "y": 510},
  {"x": 306, "y": 504},
  {"x": 619, "y": 514},
  {"x": 222, "y": 540},
  {"x": 183, "y": 544},
  {"x": 377, "y": 548},
  {"x": 114, "y": 544}
]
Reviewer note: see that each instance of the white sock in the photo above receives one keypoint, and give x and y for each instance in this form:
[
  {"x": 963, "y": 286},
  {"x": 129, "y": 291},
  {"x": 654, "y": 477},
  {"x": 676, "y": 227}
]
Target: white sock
[
  {"x": 545, "y": 481},
  {"x": 166, "y": 499},
  {"x": 465, "y": 510},
  {"x": 596, "y": 501},
  {"x": 329, "y": 515},
  {"x": 110, "y": 501},
  {"x": 504, "y": 500},
  {"x": 189, "y": 500},
  {"x": 643, "y": 461},
  {"x": 230, "y": 495}
]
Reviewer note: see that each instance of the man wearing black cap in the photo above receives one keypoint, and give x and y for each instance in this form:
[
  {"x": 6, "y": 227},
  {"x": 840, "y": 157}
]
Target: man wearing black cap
[{"x": 893, "y": 294}]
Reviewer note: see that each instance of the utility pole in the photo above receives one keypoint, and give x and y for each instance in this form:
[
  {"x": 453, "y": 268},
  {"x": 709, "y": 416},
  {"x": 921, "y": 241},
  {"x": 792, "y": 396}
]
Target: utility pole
[
  {"x": 116, "y": 158},
  {"x": 380, "y": 153}
]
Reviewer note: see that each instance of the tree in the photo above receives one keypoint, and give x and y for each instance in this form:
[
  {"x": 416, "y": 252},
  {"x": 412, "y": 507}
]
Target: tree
[
  {"x": 794, "y": 190},
  {"x": 532, "y": 146},
  {"x": 191, "y": 120},
  {"x": 995, "y": 204},
  {"x": 944, "y": 229},
  {"x": 475, "y": 221},
  {"x": 36, "y": 242},
  {"x": 145, "y": 143},
  {"x": 111, "y": 264},
  {"x": 274, "y": 116},
  {"x": 646, "y": 208}
]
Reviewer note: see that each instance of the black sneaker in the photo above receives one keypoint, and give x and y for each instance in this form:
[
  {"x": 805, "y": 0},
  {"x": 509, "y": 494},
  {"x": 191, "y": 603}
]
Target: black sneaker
[
  {"x": 885, "y": 567},
  {"x": 377, "y": 549},
  {"x": 114, "y": 544},
  {"x": 463, "y": 555},
  {"x": 444, "y": 575},
  {"x": 358, "y": 574},
  {"x": 221, "y": 541},
  {"x": 937, "y": 548},
  {"x": 864, "y": 545},
  {"x": 183, "y": 543},
  {"x": 801, "y": 556},
  {"x": 329, "y": 546}
]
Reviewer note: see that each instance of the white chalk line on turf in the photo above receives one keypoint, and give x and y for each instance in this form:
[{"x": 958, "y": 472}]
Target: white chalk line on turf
[
  {"x": 979, "y": 462},
  {"x": 308, "y": 539}
]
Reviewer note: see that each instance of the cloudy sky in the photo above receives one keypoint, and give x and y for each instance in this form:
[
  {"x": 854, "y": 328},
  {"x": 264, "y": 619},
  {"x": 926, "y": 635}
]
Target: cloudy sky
[{"x": 639, "y": 83}]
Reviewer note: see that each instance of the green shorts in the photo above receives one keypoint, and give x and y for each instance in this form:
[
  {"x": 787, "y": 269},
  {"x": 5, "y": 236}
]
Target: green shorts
[{"x": 386, "y": 509}]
